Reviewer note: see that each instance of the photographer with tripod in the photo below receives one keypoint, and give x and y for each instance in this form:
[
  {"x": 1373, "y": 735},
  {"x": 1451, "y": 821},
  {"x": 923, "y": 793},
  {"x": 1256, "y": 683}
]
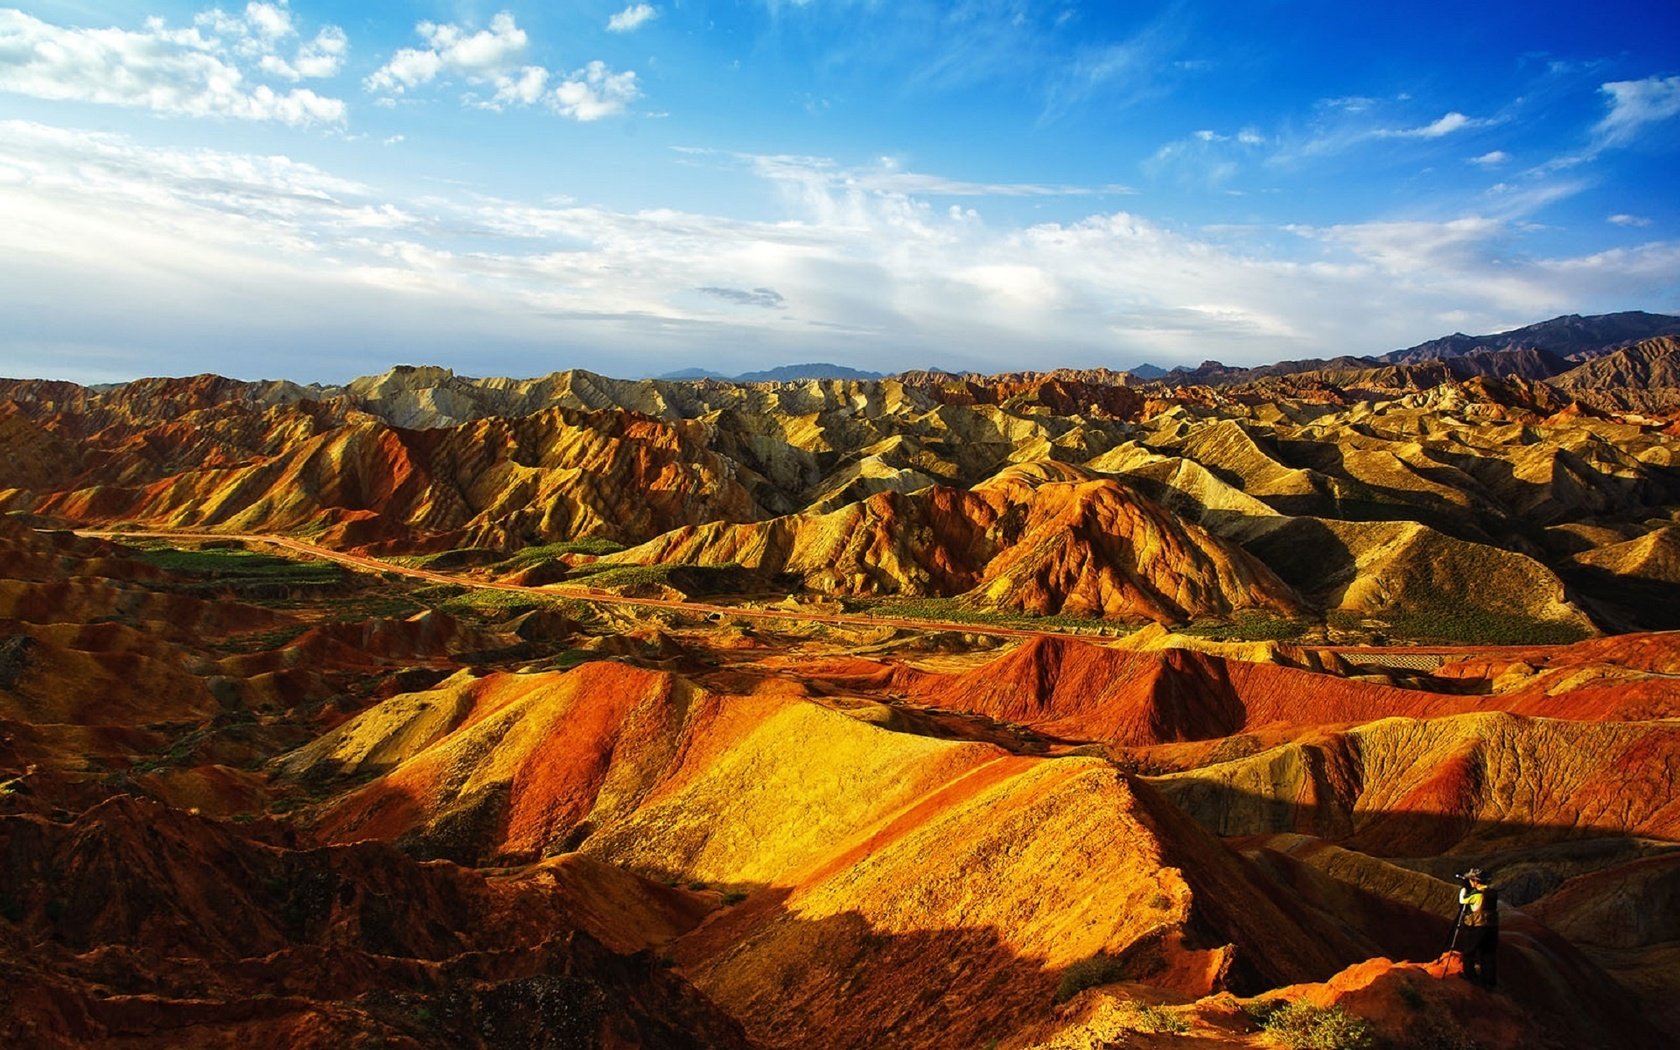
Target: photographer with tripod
[{"x": 1477, "y": 935}]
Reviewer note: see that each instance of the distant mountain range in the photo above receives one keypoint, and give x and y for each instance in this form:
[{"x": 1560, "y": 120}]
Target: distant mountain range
[
  {"x": 1536, "y": 351},
  {"x": 781, "y": 374},
  {"x": 1571, "y": 336}
]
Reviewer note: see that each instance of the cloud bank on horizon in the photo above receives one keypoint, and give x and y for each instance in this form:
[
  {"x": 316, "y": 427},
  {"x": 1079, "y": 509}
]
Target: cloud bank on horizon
[{"x": 317, "y": 190}]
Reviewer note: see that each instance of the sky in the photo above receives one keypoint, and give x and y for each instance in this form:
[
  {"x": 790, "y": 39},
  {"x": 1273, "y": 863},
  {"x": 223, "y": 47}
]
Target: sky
[{"x": 314, "y": 191}]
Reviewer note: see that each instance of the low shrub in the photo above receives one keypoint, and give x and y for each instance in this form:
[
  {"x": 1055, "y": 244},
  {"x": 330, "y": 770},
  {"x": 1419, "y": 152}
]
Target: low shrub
[
  {"x": 1302, "y": 1026},
  {"x": 1157, "y": 1021},
  {"x": 1088, "y": 973}
]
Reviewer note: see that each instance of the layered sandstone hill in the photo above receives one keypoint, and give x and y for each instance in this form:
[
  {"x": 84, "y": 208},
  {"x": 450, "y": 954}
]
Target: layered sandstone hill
[
  {"x": 1370, "y": 495},
  {"x": 154, "y": 925},
  {"x": 1085, "y": 547},
  {"x": 1644, "y": 376},
  {"x": 861, "y": 852},
  {"x": 243, "y": 799}
]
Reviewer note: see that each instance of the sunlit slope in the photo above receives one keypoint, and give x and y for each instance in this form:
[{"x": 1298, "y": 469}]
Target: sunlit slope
[
  {"x": 1093, "y": 548},
  {"x": 856, "y": 847},
  {"x": 507, "y": 765},
  {"x": 1408, "y": 787},
  {"x": 1137, "y": 697},
  {"x": 496, "y": 482},
  {"x": 1368, "y": 491}
]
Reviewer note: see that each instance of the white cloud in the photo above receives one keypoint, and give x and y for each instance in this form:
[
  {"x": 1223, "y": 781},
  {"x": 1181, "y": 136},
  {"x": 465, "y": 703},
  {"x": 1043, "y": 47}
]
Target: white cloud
[
  {"x": 1446, "y": 125},
  {"x": 594, "y": 92},
  {"x": 319, "y": 58},
  {"x": 1634, "y": 104},
  {"x": 493, "y": 58},
  {"x": 274, "y": 255},
  {"x": 822, "y": 176},
  {"x": 633, "y": 17},
  {"x": 523, "y": 89},
  {"x": 1204, "y": 158},
  {"x": 269, "y": 20},
  {"x": 189, "y": 71},
  {"x": 324, "y": 55},
  {"x": 1624, "y": 219},
  {"x": 452, "y": 49},
  {"x": 1491, "y": 159}
]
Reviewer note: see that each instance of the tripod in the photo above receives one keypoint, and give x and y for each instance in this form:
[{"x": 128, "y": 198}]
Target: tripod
[{"x": 1458, "y": 924}]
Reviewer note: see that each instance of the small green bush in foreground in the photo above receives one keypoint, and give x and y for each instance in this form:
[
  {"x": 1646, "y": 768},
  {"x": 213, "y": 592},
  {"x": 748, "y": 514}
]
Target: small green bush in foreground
[
  {"x": 1302, "y": 1026},
  {"x": 1088, "y": 973}
]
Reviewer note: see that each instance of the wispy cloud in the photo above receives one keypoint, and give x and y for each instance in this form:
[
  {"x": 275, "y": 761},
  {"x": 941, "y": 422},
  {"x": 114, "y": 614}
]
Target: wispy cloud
[
  {"x": 104, "y": 242},
  {"x": 201, "y": 71},
  {"x": 1491, "y": 159},
  {"x": 888, "y": 176},
  {"x": 1624, "y": 219},
  {"x": 493, "y": 58},
  {"x": 1346, "y": 123},
  {"x": 1124, "y": 72},
  {"x": 1205, "y": 156},
  {"x": 632, "y": 18},
  {"x": 1633, "y": 105},
  {"x": 1446, "y": 125}
]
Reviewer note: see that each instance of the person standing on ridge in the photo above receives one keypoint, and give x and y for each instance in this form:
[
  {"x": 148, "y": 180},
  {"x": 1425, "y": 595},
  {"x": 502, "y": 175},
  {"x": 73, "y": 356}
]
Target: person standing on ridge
[{"x": 1479, "y": 910}]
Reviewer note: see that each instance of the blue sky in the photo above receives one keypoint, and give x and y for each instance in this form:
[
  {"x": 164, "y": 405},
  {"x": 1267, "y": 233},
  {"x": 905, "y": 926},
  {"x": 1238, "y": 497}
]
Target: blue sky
[{"x": 315, "y": 191}]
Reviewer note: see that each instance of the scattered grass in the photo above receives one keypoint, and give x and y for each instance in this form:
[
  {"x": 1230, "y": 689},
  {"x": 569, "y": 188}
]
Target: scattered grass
[
  {"x": 604, "y": 576},
  {"x": 234, "y": 567},
  {"x": 262, "y": 641},
  {"x": 1436, "y": 1033},
  {"x": 1089, "y": 973},
  {"x": 493, "y": 603},
  {"x": 1251, "y": 626},
  {"x": 1154, "y": 1020},
  {"x": 1428, "y": 614},
  {"x": 1302, "y": 1026},
  {"x": 1471, "y": 626},
  {"x": 692, "y": 580},
  {"x": 446, "y": 559},
  {"x": 957, "y": 610},
  {"x": 734, "y": 897},
  {"x": 530, "y": 556},
  {"x": 1411, "y": 997}
]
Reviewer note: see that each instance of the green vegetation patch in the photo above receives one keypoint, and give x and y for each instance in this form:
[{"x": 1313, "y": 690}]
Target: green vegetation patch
[
  {"x": 1153, "y": 1019},
  {"x": 1099, "y": 969},
  {"x": 524, "y": 559},
  {"x": 233, "y": 567},
  {"x": 1251, "y": 625},
  {"x": 458, "y": 558},
  {"x": 1427, "y": 613},
  {"x": 1472, "y": 626},
  {"x": 958, "y": 610},
  {"x": 492, "y": 602},
  {"x": 691, "y": 580},
  {"x": 1302, "y": 1026}
]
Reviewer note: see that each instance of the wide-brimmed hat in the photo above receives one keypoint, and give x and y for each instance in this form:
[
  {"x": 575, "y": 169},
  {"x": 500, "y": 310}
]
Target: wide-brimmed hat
[{"x": 1476, "y": 874}]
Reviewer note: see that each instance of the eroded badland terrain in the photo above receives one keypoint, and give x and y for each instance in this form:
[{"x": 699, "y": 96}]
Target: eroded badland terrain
[{"x": 1038, "y": 710}]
